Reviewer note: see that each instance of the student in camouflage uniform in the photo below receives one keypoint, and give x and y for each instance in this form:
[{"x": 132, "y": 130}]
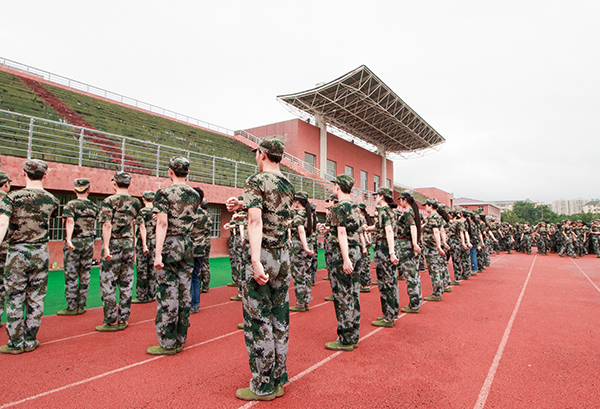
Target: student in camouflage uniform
[
  {"x": 346, "y": 252},
  {"x": 526, "y": 238},
  {"x": 444, "y": 224},
  {"x": 144, "y": 252},
  {"x": 202, "y": 226},
  {"x": 27, "y": 212},
  {"x": 300, "y": 252},
  {"x": 176, "y": 207},
  {"x": 313, "y": 243},
  {"x": 118, "y": 214},
  {"x": 268, "y": 197},
  {"x": 466, "y": 251},
  {"x": 80, "y": 215},
  {"x": 409, "y": 231},
  {"x": 456, "y": 241},
  {"x": 595, "y": 237},
  {"x": 326, "y": 227},
  {"x": 239, "y": 258},
  {"x": 385, "y": 257},
  {"x": 4, "y": 189},
  {"x": 364, "y": 264},
  {"x": 434, "y": 253},
  {"x": 205, "y": 269}
]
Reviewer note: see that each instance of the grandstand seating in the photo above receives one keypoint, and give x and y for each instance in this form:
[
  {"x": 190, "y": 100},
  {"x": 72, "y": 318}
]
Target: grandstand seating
[{"x": 117, "y": 119}]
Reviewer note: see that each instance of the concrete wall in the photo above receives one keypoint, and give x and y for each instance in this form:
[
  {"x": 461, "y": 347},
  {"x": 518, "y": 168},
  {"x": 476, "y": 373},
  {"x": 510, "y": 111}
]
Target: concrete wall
[
  {"x": 303, "y": 137},
  {"x": 441, "y": 196}
]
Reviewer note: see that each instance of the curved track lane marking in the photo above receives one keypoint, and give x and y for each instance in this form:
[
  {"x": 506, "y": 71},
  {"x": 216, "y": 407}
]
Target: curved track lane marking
[
  {"x": 586, "y": 276},
  {"x": 485, "y": 390}
]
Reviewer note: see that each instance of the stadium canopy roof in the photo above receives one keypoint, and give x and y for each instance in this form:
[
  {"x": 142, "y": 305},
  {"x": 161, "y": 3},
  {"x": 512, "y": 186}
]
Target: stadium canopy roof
[{"x": 364, "y": 107}]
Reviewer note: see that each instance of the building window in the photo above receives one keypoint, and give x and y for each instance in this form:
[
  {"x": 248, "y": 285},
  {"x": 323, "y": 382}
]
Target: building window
[
  {"x": 480, "y": 208},
  {"x": 215, "y": 214},
  {"x": 388, "y": 183},
  {"x": 331, "y": 169},
  {"x": 363, "y": 180},
  {"x": 310, "y": 161},
  {"x": 349, "y": 171},
  {"x": 376, "y": 181}
]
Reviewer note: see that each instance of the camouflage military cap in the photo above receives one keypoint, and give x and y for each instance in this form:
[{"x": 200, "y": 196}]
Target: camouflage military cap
[
  {"x": 345, "y": 182},
  {"x": 204, "y": 204},
  {"x": 4, "y": 177},
  {"x": 331, "y": 198},
  {"x": 313, "y": 206},
  {"x": 362, "y": 206},
  {"x": 179, "y": 164},
  {"x": 431, "y": 202},
  {"x": 406, "y": 195},
  {"x": 81, "y": 184},
  {"x": 385, "y": 192},
  {"x": 35, "y": 167},
  {"x": 240, "y": 197},
  {"x": 271, "y": 146},
  {"x": 148, "y": 195},
  {"x": 301, "y": 195},
  {"x": 122, "y": 177}
]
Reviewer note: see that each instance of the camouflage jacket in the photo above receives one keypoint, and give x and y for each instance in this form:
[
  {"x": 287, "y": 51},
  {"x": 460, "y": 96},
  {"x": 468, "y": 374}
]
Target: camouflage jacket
[
  {"x": 273, "y": 194},
  {"x": 431, "y": 222},
  {"x": 202, "y": 231},
  {"x": 121, "y": 211},
  {"x": 385, "y": 217},
  {"x": 145, "y": 217},
  {"x": 346, "y": 214},
  {"x": 298, "y": 219},
  {"x": 84, "y": 213},
  {"x": 29, "y": 212},
  {"x": 180, "y": 202},
  {"x": 405, "y": 221}
]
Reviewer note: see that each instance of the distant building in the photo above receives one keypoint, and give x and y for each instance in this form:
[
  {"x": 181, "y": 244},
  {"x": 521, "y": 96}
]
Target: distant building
[
  {"x": 441, "y": 196},
  {"x": 568, "y": 207},
  {"x": 593, "y": 206},
  {"x": 487, "y": 208}
]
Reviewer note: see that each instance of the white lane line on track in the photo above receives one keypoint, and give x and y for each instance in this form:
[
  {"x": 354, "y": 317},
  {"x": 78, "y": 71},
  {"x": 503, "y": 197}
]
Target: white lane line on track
[
  {"x": 487, "y": 384},
  {"x": 586, "y": 276},
  {"x": 319, "y": 364},
  {"x": 93, "y": 378},
  {"x": 131, "y": 324}
]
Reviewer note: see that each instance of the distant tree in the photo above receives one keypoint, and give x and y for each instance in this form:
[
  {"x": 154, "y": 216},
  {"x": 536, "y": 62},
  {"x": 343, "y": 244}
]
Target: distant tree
[
  {"x": 510, "y": 217},
  {"x": 532, "y": 214}
]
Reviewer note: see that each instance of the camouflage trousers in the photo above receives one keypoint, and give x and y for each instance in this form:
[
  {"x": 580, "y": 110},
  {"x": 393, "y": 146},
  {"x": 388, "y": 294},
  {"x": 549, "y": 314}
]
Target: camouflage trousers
[
  {"x": 542, "y": 245},
  {"x": 117, "y": 273},
  {"x": 2, "y": 289},
  {"x": 435, "y": 266},
  {"x": 173, "y": 297},
  {"x": 238, "y": 259},
  {"x": 363, "y": 268},
  {"x": 145, "y": 287},
  {"x": 527, "y": 243},
  {"x": 567, "y": 246},
  {"x": 346, "y": 295},
  {"x": 232, "y": 259},
  {"x": 388, "y": 284},
  {"x": 300, "y": 263},
  {"x": 487, "y": 251},
  {"x": 466, "y": 262},
  {"x": 495, "y": 244},
  {"x": 267, "y": 320},
  {"x": 456, "y": 252},
  {"x": 480, "y": 254},
  {"x": 26, "y": 282},
  {"x": 595, "y": 240},
  {"x": 408, "y": 266},
  {"x": 205, "y": 270},
  {"x": 421, "y": 261},
  {"x": 77, "y": 271}
]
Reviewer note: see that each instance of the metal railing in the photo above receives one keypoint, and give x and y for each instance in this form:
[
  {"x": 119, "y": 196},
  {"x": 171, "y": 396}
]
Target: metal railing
[
  {"x": 90, "y": 89},
  {"x": 30, "y": 137}
]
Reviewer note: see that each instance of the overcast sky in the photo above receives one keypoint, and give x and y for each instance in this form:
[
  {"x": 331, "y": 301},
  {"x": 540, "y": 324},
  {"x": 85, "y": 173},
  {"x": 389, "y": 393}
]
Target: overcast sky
[{"x": 513, "y": 86}]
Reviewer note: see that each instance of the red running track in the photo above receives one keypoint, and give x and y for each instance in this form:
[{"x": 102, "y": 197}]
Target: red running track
[{"x": 523, "y": 334}]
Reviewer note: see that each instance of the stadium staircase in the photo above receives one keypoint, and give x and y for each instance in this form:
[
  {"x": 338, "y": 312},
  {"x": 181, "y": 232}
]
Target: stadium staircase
[{"x": 73, "y": 118}]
